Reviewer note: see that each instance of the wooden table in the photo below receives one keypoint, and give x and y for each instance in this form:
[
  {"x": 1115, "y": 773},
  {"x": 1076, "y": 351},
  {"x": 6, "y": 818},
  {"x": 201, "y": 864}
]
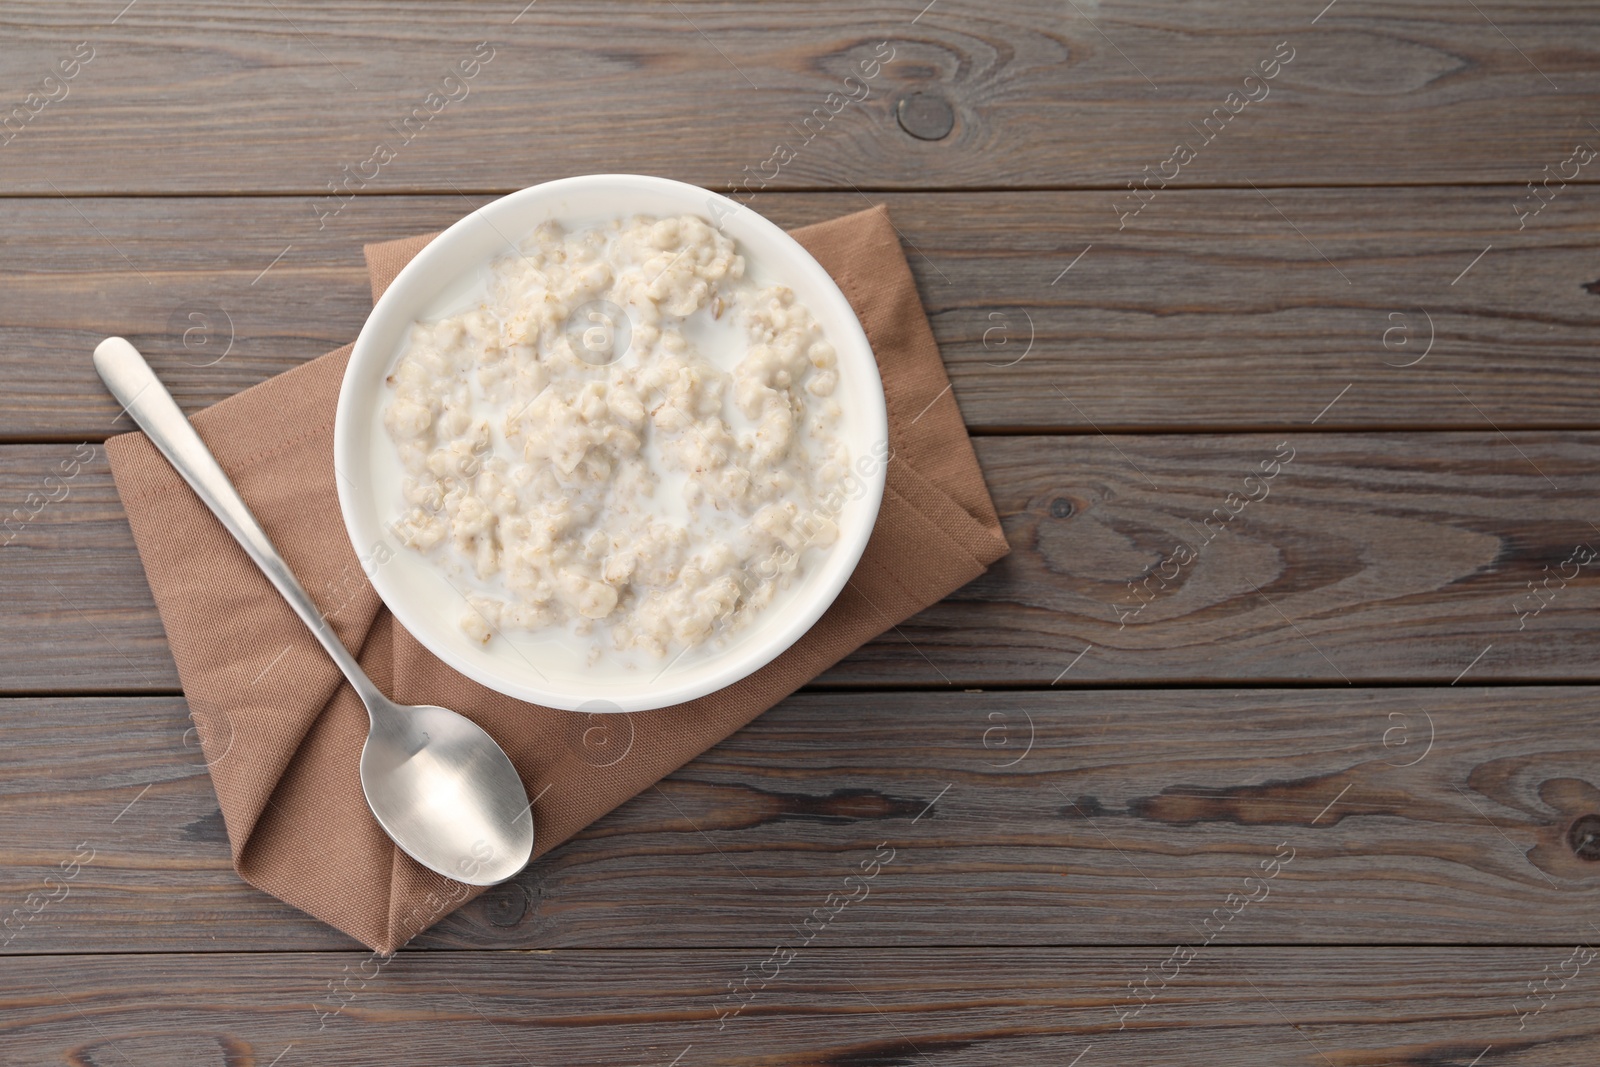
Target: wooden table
[{"x": 1329, "y": 796}]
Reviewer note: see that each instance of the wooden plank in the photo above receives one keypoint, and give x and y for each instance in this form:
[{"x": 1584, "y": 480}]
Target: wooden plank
[
  {"x": 222, "y": 97},
  {"x": 1213, "y": 312},
  {"x": 1372, "y": 558},
  {"x": 1230, "y": 1006},
  {"x": 80, "y": 595},
  {"x": 1378, "y": 557},
  {"x": 1418, "y": 816}
]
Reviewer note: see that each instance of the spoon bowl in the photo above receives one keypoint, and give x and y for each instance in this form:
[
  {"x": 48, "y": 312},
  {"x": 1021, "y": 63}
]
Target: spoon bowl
[{"x": 435, "y": 781}]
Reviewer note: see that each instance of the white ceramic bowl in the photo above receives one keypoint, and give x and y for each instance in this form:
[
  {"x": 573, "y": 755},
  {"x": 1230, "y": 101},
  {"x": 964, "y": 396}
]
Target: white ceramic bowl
[{"x": 542, "y": 668}]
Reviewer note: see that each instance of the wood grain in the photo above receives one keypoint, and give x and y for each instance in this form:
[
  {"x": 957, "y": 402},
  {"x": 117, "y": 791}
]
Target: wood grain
[
  {"x": 1411, "y": 816},
  {"x": 1364, "y": 669},
  {"x": 1379, "y": 557},
  {"x": 262, "y": 97},
  {"x": 1374, "y": 1007},
  {"x": 1209, "y": 311},
  {"x": 1373, "y": 558}
]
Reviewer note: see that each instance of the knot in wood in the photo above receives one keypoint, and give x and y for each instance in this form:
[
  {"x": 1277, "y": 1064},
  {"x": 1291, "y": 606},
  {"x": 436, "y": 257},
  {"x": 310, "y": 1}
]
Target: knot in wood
[
  {"x": 1584, "y": 837},
  {"x": 925, "y": 116}
]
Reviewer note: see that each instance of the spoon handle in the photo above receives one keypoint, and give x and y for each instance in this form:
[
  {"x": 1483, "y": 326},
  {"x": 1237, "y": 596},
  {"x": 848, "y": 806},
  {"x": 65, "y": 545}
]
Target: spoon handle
[{"x": 141, "y": 393}]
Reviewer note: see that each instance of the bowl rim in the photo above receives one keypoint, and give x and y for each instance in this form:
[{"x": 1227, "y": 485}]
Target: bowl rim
[{"x": 812, "y": 597}]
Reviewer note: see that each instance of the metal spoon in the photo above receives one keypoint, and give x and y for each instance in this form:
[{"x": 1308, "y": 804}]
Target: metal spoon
[{"x": 439, "y": 785}]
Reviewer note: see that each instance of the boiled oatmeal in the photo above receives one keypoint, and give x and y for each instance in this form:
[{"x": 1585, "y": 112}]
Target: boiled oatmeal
[{"x": 627, "y": 438}]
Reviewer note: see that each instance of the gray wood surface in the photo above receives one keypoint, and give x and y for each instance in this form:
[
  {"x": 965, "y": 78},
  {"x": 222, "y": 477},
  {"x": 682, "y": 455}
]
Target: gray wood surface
[
  {"x": 1043, "y": 94},
  {"x": 1226, "y": 1007},
  {"x": 1380, "y": 668},
  {"x": 1412, "y": 815},
  {"x": 1212, "y": 313},
  {"x": 1372, "y": 558}
]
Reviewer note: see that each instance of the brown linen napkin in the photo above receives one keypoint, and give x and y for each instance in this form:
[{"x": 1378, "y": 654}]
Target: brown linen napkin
[{"x": 281, "y": 730}]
